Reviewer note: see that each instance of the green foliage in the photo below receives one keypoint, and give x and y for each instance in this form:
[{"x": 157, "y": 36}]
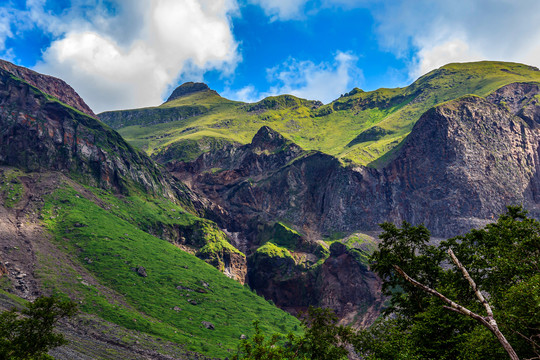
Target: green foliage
[
  {"x": 111, "y": 236},
  {"x": 323, "y": 339},
  {"x": 273, "y": 251},
  {"x": 504, "y": 260},
  {"x": 30, "y": 335}
]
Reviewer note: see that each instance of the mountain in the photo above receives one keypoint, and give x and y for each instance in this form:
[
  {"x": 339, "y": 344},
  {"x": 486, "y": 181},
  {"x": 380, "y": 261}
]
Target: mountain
[
  {"x": 359, "y": 127},
  {"x": 85, "y": 215},
  {"x": 276, "y": 194},
  {"x": 450, "y": 151}
]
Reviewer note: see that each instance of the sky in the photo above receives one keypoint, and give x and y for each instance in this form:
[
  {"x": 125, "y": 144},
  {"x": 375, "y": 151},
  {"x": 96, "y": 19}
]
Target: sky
[{"x": 121, "y": 54}]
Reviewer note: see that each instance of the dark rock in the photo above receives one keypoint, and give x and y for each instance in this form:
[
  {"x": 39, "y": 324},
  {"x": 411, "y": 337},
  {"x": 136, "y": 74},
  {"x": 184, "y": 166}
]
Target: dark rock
[
  {"x": 46, "y": 135},
  {"x": 208, "y": 325},
  {"x": 140, "y": 270},
  {"x": 188, "y": 89},
  {"x": 50, "y": 85},
  {"x": 337, "y": 249}
]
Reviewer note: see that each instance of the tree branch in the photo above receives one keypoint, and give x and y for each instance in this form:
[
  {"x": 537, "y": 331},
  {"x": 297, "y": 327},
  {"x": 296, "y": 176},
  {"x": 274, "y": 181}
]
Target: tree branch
[
  {"x": 488, "y": 321},
  {"x": 471, "y": 283},
  {"x": 453, "y": 305}
]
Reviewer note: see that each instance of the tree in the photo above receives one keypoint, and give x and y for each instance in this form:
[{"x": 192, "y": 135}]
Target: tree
[
  {"x": 323, "y": 339},
  {"x": 29, "y": 334},
  {"x": 504, "y": 260}
]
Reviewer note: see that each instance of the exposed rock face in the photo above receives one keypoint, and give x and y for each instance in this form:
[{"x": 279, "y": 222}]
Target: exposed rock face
[
  {"x": 38, "y": 133},
  {"x": 462, "y": 164},
  {"x": 49, "y": 85},
  {"x": 465, "y": 161},
  {"x": 188, "y": 89},
  {"x": 341, "y": 283}
]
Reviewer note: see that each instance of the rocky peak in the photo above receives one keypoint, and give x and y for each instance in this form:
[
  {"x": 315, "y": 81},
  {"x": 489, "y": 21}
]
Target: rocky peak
[
  {"x": 43, "y": 134},
  {"x": 49, "y": 85},
  {"x": 268, "y": 139},
  {"x": 188, "y": 89}
]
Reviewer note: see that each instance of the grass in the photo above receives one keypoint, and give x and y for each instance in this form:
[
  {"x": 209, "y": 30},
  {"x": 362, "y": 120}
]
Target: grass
[
  {"x": 108, "y": 241},
  {"x": 331, "y": 128},
  {"x": 11, "y": 188},
  {"x": 272, "y": 250}
]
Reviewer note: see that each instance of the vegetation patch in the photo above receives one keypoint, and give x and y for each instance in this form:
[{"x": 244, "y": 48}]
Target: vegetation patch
[
  {"x": 172, "y": 294},
  {"x": 11, "y": 188}
]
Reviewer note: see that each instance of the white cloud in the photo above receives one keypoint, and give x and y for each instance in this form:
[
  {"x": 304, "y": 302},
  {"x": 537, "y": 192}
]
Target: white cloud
[
  {"x": 128, "y": 53},
  {"x": 431, "y": 56},
  {"x": 438, "y": 32},
  {"x": 305, "y": 79},
  {"x": 324, "y": 81},
  {"x": 246, "y": 94}
]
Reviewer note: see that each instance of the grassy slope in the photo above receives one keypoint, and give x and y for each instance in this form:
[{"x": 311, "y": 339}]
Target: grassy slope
[
  {"x": 105, "y": 240},
  {"x": 330, "y": 128}
]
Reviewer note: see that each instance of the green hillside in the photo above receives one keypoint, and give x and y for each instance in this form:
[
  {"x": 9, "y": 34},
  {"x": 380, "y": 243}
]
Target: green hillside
[
  {"x": 98, "y": 247},
  {"x": 359, "y": 127}
]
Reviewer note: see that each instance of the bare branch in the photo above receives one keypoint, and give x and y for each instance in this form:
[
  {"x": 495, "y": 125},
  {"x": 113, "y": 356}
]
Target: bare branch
[
  {"x": 488, "y": 321},
  {"x": 471, "y": 283},
  {"x": 453, "y": 306}
]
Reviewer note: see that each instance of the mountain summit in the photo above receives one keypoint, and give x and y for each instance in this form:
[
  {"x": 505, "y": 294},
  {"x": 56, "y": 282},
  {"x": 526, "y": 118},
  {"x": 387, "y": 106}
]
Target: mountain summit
[{"x": 188, "y": 89}]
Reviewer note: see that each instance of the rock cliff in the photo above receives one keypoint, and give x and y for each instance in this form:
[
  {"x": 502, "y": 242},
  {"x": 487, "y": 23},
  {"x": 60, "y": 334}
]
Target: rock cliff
[{"x": 41, "y": 133}]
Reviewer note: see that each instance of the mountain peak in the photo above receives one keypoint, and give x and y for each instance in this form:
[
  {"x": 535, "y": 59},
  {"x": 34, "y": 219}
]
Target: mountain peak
[
  {"x": 269, "y": 139},
  {"x": 188, "y": 89},
  {"x": 50, "y": 85}
]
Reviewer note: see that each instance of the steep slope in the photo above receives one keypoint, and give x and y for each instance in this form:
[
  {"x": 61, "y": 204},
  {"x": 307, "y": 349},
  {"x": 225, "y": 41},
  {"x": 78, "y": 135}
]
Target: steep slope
[
  {"x": 359, "y": 127},
  {"x": 87, "y": 216}
]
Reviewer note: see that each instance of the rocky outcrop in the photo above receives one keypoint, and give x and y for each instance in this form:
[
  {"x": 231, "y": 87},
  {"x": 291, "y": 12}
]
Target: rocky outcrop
[
  {"x": 40, "y": 133},
  {"x": 189, "y": 88},
  {"x": 341, "y": 282},
  {"x": 49, "y": 85}
]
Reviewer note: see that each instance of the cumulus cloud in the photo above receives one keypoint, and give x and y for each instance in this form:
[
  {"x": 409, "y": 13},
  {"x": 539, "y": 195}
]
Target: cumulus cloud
[
  {"x": 433, "y": 56},
  {"x": 437, "y": 32},
  {"x": 325, "y": 81},
  {"x": 128, "y": 53}
]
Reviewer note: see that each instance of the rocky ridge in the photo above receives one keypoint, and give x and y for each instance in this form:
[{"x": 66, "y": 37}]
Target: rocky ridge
[
  {"x": 49, "y": 85},
  {"x": 41, "y": 133},
  {"x": 188, "y": 89}
]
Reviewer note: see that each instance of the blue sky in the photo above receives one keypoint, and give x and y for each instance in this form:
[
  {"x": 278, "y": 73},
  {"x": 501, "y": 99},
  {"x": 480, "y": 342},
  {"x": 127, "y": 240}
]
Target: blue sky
[{"x": 120, "y": 54}]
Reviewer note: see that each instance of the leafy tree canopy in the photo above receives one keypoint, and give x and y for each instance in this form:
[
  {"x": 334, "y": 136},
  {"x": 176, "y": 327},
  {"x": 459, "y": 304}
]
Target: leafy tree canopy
[
  {"x": 323, "y": 339},
  {"x": 29, "y": 334},
  {"x": 503, "y": 259}
]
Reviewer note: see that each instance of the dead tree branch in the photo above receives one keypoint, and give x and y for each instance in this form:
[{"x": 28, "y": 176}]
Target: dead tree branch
[{"x": 487, "y": 321}]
